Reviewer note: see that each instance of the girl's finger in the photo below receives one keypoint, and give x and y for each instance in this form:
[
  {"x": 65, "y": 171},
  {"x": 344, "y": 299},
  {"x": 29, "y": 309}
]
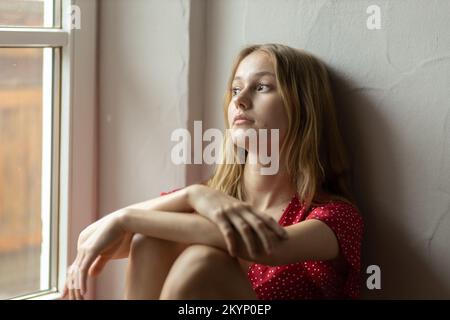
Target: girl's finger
[
  {"x": 78, "y": 295},
  {"x": 97, "y": 266},
  {"x": 260, "y": 228},
  {"x": 71, "y": 295},
  {"x": 64, "y": 292},
  {"x": 69, "y": 280},
  {"x": 229, "y": 236},
  {"x": 72, "y": 272},
  {"x": 86, "y": 263},
  {"x": 79, "y": 282},
  {"x": 77, "y": 279},
  {"x": 246, "y": 233},
  {"x": 273, "y": 224}
]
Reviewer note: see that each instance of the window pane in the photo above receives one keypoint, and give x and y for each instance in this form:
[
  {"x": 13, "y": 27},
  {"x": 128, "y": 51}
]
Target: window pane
[
  {"x": 30, "y": 13},
  {"x": 24, "y": 256}
]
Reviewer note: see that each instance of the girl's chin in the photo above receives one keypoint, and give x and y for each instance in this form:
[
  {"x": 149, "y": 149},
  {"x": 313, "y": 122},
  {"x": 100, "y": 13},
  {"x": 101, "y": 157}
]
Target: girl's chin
[{"x": 243, "y": 128}]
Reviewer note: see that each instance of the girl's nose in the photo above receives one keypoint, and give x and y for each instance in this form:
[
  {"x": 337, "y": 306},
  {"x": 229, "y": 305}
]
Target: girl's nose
[{"x": 241, "y": 102}]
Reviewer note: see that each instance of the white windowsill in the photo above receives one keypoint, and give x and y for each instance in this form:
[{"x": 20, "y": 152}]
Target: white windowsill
[{"x": 46, "y": 295}]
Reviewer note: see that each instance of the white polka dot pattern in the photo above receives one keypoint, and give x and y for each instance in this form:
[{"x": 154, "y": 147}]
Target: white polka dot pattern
[{"x": 332, "y": 279}]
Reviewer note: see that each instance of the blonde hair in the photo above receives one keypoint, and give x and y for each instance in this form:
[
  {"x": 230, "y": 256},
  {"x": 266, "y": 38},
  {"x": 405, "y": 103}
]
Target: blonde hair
[{"x": 315, "y": 157}]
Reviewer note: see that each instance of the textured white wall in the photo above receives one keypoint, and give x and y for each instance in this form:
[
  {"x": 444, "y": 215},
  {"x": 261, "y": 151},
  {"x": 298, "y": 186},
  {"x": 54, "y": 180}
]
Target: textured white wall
[
  {"x": 393, "y": 100},
  {"x": 143, "y": 80}
]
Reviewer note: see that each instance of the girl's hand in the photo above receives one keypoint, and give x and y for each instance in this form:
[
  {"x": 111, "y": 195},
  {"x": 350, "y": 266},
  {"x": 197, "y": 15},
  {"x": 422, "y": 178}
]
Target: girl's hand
[
  {"x": 85, "y": 234},
  {"x": 227, "y": 212},
  {"x": 97, "y": 244}
]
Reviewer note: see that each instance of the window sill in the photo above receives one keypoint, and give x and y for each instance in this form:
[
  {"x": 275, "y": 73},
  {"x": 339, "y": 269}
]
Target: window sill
[{"x": 45, "y": 295}]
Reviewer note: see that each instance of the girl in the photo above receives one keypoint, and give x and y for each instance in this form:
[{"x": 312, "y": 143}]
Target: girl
[{"x": 295, "y": 234}]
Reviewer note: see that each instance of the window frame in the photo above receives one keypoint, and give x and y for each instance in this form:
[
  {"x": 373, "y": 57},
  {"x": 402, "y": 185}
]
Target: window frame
[{"x": 74, "y": 186}]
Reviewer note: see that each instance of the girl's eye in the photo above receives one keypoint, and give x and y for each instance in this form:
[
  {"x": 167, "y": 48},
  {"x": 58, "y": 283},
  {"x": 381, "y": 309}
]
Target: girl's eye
[
  {"x": 261, "y": 87},
  {"x": 235, "y": 91}
]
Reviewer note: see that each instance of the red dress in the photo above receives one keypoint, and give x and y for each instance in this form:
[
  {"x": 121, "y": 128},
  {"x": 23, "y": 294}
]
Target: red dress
[{"x": 332, "y": 279}]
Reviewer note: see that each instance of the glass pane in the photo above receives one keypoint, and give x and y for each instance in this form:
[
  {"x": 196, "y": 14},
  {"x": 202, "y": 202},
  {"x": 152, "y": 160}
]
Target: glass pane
[
  {"x": 30, "y": 13},
  {"x": 22, "y": 93}
]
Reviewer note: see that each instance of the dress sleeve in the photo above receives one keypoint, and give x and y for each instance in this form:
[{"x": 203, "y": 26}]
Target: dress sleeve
[
  {"x": 347, "y": 224},
  {"x": 163, "y": 193}
]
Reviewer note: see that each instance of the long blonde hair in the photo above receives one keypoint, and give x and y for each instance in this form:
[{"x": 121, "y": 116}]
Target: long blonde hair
[{"x": 315, "y": 156}]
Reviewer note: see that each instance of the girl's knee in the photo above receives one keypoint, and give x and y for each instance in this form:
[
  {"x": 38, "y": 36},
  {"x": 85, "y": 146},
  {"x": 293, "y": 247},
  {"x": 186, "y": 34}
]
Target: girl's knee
[
  {"x": 142, "y": 244},
  {"x": 196, "y": 264},
  {"x": 204, "y": 254},
  {"x": 194, "y": 274},
  {"x": 140, "y": 241}
]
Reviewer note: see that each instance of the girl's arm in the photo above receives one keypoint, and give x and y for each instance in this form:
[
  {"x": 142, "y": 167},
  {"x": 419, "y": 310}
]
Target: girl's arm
[
  {"x": 307, "y": 240},
  {"x": 177, "y": 201},
  {"x": 196, "y": 229},
  {"x": 177, "y": 227},
  {"x": 221, "y": 210}
]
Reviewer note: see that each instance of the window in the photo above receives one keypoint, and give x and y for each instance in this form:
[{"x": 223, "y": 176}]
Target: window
[
  {"x": 47, "y": 140},
  {"x": 33, "y": 47},
  {"x": 30, "y": 13},
  {"x": 27, "y": 139}
]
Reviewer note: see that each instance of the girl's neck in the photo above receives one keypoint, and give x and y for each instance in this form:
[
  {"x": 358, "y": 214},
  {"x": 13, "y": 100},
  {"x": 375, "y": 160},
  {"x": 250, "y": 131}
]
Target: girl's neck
[{"x": 266, "y": 191}]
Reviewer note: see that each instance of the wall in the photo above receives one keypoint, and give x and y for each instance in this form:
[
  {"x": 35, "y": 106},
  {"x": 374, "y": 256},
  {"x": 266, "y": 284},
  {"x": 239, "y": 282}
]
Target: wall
[
  {"x": 143, "y": 80},
  {"x": 392, "y": 95}
]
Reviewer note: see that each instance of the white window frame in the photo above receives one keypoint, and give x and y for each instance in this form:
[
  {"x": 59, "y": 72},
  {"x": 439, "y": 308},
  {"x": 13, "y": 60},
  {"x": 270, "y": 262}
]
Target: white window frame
[{"x": 74, "y": 194}]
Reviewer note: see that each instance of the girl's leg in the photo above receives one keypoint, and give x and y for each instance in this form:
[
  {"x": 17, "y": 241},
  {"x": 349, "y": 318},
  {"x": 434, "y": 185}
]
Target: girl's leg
[
  {"x": 148, "y": 265},
  {"x": 205, "y": 272}
]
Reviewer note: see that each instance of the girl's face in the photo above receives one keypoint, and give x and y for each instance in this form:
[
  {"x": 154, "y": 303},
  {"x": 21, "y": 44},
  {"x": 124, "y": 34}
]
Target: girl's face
[{"x": 255, "y": 96}]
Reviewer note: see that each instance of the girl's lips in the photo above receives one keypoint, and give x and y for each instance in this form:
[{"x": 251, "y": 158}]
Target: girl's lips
[
  {"x": 242, "y": 121},
  {"x": 241, "y": 117}
]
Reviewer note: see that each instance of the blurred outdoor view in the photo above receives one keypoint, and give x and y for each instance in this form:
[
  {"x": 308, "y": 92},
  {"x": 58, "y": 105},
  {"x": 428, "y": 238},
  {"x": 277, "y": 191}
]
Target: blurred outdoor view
[
  {"x": 25, "y": 13},
  {"x": 20, "y": 154}
]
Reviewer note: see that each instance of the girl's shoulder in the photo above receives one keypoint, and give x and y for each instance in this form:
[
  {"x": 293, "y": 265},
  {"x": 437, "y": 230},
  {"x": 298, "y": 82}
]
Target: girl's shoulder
[
  {"x": 334, "y": 200},
  {"x": 336, "y": 205},
  {"x": 337, "y": 212}
]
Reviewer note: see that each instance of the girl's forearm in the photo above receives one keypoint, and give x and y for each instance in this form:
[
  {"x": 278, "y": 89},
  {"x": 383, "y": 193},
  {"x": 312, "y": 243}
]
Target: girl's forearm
[
  {"x": 173, "y": 226},
  {"x": 183, "y": 228},
  {"x": 178, "y": 201}
]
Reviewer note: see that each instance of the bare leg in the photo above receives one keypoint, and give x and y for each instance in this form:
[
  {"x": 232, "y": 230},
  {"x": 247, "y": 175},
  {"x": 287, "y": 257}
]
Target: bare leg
[
  {"x": 149, "y": 262},
  {"x": 204, "y": 272}
]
